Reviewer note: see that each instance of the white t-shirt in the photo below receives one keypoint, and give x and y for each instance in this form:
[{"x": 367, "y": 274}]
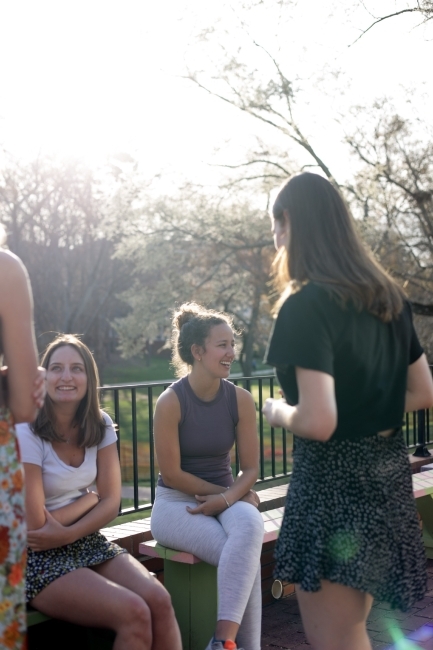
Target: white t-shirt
[{"x": 62, "y": 483}]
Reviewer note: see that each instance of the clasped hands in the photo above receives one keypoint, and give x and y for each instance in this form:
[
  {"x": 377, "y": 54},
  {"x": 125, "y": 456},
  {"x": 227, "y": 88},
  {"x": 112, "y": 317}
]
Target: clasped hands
[
  {"x": 212, "y": 505},
  {"x": 54, "y": 534},
  {"x": 51, "y": 535}
]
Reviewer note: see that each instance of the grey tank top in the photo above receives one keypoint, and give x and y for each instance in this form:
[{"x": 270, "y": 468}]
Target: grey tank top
[{"x": 206, "y": 432}]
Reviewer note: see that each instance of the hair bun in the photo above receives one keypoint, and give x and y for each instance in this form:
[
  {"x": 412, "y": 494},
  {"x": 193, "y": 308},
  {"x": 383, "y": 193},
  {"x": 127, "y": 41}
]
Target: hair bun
[{"x": 185, "y": 313}]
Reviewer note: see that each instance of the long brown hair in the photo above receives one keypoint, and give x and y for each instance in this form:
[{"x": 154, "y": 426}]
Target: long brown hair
[
  {"x": 324, "y": 247},
  {"x": 88, "y": 415}
]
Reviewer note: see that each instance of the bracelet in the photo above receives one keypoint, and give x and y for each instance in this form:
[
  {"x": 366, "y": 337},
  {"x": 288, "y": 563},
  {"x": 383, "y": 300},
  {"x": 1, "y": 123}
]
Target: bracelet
[{"x": 223, "y": 496}]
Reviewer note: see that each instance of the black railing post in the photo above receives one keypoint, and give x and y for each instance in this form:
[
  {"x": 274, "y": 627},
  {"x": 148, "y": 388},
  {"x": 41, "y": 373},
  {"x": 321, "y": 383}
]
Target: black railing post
[{"x": 421, "y": 448}]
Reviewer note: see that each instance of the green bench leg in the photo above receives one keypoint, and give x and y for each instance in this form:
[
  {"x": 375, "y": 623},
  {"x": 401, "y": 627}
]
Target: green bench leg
[
  {"x": 193, "y": 590},
  {"x": 34, "y": 617},
  {"x": 425, "y": 509}
]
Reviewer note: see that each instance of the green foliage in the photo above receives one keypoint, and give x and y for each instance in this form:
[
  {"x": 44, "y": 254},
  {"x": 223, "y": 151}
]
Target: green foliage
[{"x": 129, "y": 371}]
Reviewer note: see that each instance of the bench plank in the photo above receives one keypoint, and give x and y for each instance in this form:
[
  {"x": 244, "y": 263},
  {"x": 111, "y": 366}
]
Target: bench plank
[
  {"x": 422, "y": 484},
  {"x": 271, "y": 520}
]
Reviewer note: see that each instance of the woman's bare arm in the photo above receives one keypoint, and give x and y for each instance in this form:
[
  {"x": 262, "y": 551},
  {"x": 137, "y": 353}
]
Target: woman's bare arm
[
  {"x": 70, "y": 514},
  {"x": 35, "y": 497},
  {"x": 315, "y": 415},
  {"x": 53, "y": 533},
  {"x": 419, "y": 389},
  {"x": 16, "y": 313},
  {"x": 35, "y": 501},
  {"x": 248, "y": 447}
]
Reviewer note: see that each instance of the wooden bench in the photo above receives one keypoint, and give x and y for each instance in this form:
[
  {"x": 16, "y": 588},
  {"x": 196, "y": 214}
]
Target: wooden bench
[
  {"x": 187, "y": 578},
  {"x": 192, "y": 584},
  {"x": 130, "y": 535},
  {"x": 423, "y": 493}
]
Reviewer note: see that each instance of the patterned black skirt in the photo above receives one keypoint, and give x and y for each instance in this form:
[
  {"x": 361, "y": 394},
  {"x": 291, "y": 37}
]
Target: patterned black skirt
[
  {"x": 43, "y": 567},
  {"x": 351, "y": 518}
]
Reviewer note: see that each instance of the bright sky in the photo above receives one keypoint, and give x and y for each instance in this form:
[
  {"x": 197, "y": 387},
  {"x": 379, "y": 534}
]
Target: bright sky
[{"x": 90, "y": 78}]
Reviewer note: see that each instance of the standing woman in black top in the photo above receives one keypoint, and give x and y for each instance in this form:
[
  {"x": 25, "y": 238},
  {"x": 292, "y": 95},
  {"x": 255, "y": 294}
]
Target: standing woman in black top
[{"x": 349, "y": 363}]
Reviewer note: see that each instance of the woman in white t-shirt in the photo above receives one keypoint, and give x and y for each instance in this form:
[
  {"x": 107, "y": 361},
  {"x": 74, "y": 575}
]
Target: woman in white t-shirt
[{"x": 73, "y": 572}]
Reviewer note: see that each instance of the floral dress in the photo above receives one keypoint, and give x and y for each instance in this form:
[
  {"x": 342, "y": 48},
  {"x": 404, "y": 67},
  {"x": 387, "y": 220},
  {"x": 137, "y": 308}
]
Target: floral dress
[{"x": 12, "y": 539}]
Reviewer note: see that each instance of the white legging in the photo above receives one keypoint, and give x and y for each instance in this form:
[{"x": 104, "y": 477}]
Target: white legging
[{"x": 232, "y": 542}]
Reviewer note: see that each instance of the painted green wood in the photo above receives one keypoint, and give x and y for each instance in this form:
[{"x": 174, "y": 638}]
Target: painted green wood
[
  {"x": 425, "y": 508},
  {"x": 177, "y": 582},
  {"x": 161, "y": 550},
  {"x": 34, "y": 617},
  {"x": 193, "y": 592},
  {"x": 204, "y": 604}
]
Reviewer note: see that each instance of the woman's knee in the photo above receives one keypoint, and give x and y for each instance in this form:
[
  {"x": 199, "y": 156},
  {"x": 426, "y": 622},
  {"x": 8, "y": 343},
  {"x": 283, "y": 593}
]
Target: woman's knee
[
  {"x": 133, "y": 610},
  {"x": 250, "y": 522},
  {"x": 159, "y": 601}
]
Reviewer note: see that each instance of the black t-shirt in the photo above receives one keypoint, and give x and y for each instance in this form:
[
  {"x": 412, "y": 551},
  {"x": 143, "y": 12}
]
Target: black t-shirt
[{"x": 367, "y": 357}]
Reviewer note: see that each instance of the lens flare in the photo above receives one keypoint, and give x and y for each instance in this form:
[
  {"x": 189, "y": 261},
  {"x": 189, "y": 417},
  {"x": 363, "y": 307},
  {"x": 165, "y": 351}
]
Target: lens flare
[{"x": 343, "y": 545}]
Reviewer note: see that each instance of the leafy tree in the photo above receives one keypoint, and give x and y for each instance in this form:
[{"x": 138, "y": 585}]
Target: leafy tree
[
  {"x": 197, "y": 248},
  {"x": 60, "y": 222}
]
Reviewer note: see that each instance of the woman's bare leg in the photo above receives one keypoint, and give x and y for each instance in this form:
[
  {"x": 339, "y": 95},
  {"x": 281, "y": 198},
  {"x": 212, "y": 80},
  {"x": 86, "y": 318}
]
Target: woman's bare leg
[
  {"x": 127, "y": 571},
  {"x": 86, "y": 598},
  {"x": 334, "y": 618}
]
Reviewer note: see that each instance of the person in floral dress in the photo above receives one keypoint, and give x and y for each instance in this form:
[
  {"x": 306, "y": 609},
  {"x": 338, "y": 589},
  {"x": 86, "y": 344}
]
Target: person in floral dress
[{"x": 18, "y": 403}]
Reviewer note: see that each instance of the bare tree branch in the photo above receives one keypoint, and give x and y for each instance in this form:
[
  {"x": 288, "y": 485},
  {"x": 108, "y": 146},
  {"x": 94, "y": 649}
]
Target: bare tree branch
[{"x": 379, "y": 20}]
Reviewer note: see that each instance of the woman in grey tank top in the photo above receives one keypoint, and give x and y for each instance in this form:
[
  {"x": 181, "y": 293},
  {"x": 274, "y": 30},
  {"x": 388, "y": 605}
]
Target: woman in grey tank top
[{"x": 199, "y": 508}]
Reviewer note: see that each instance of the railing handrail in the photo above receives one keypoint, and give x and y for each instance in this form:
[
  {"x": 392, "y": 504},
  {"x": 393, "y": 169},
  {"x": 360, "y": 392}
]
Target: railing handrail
[
  {"x": 134, "y": 418},
  {"x": 165, "y": 382}
]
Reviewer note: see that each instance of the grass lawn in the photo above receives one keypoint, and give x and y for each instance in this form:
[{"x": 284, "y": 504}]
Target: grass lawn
[
  {"x": 129, "y": 371},
  {"x": 126, "y": 371}
]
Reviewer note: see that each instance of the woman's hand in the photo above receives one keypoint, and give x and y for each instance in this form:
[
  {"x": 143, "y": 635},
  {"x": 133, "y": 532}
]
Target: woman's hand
[
  {"x": 211, "y": 505},
  {"x": 274, "y": 411},
  {"x": 51, "y": 535},
  {"x": 251, "y": 497},
  {"x": 40, "y": 388}
]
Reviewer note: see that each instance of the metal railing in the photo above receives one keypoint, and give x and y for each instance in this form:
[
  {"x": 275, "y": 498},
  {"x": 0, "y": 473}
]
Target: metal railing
[{"x": 132, "y": 406}]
